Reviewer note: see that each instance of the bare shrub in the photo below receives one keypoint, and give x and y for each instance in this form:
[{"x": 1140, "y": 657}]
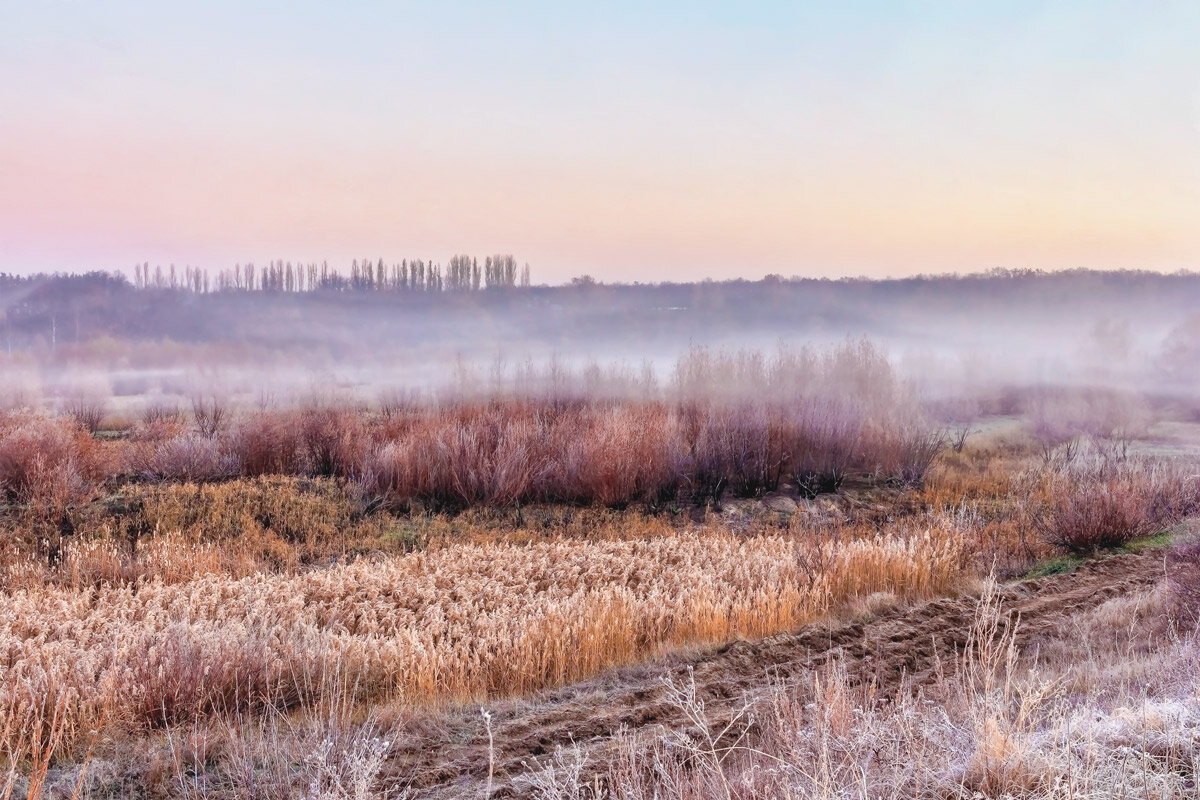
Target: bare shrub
[
  {"x": 1057, "y": 421},
  {"x": 738, "y": 439},
  {"x": 705, "y": 469},
  {"x": 158, "y": 412},
  {"x": 1061, "y": 418},
  {"x": 187, "y": 457},
  {"x": 617, "y": 452},
  {"x": 957, "y": 438},
  {"x": 825, "y": 441},
  {"x": 825, "y": 413},
  {"x": 86, "y": 409},
  {"x": 490, "y": 459},
  {"x": 904, "y": 454},
  {"x": 745, "y": 447},
  {"x": 268, "y": 443},
  {"x": 48, "y": 463},
  {"x": 209, "y": 412},
  {"x": 181, "y": 677},
  {"x": 388, "y": 476},
  {"x": 610, "y": 456},
  {"x": 472, "y": 455},
  {"x": 334, "y": 440},
  {"x": 1101, "y": 504},
  {"x": 397, "y": 402},
  {"x": 739, "y": 423}
]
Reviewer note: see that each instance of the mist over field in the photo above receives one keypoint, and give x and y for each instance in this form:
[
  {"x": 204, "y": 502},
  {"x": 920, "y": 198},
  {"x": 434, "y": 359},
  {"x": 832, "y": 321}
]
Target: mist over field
[{"x": 103, "y": 335}]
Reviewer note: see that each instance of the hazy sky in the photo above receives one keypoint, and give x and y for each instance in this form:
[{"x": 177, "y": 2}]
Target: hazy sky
[{"x": 629, "y": 140}]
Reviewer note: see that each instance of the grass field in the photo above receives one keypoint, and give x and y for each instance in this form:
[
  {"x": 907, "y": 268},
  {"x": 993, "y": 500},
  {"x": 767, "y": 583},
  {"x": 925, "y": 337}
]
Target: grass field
[{"x": 247, "y": 580}]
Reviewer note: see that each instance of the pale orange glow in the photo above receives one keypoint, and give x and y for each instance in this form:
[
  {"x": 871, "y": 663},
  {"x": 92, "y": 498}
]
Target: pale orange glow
[{"x": 192, "y": 202}]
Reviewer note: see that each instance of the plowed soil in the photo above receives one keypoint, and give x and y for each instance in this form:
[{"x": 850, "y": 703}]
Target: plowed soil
[{"x": 447, "y": 755}]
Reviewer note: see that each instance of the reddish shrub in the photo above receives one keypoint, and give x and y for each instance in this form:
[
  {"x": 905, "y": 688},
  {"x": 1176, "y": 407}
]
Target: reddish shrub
[
  {"x": 182, "y": 677},
  {"x": 158, "y": 412},
  {"x": 86, "y": 410},
  {"x": 268, "y": 443},
  {"x": 703, "y": 466},
  {"x": 470, "y": 456},
  {"x": 1103, "y": 504},
  {"x": 823, "y": 441},
  {"x": 743, "y": 447},
  {"x": 48, "y": 463},
  {"x": 903, "y": 454},
  {"x": 335, "y": 440},
  {"x": 611, "y": 456}
]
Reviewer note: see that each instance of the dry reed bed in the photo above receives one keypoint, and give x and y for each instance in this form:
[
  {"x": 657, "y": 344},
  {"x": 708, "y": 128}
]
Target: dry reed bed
[{"x": 448, "y": 624}]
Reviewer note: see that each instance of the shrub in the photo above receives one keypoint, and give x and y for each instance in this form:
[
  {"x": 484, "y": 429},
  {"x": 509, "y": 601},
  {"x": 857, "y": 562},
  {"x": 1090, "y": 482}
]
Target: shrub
[
  {"x": 453, "y": 461},
  {"x": 824, "y": 441},
  {"x": 904, "y": 454},
  {"x": 268, "y": 443},
  {"x": 48, "y": 463},
  {"x": 86, "y": 410},
  {"x": 188, "y": 457},
  {"x": 488, "y": 458},
  {"x": 1102, "y": 504},
  {"x": 610, "y": 456},
  {"x": 157, "y": 412},
  {"x": 704, "y": 467},
  {"x": 741, "y": 438},
  {"x": 209, "y": 413},
  {"x": 741, "y": 423},
  {"x": 387, "y": 476},
  {"x": 334, "y": 440}
]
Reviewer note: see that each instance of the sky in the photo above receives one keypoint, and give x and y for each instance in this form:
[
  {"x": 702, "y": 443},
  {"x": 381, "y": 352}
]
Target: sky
[{"x": 628, "y": 140}]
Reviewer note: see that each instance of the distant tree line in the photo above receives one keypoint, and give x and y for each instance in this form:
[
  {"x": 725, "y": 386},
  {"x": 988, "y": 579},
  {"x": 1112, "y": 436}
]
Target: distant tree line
[
  {"x": 463, "y": 273},
  {"x": 468, "y": 305}
]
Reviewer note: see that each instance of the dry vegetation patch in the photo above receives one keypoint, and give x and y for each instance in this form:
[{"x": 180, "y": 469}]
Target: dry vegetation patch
[
  {"x": 250, "y": 567},
  {"x": 451, "y": 623}
]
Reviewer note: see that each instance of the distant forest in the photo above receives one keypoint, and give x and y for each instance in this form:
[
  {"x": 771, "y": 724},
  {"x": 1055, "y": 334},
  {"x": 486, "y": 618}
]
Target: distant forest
[{"x": 373, "y": 309}]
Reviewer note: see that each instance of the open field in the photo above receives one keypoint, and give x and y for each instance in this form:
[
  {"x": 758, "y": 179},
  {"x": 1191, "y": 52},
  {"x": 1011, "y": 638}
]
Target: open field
[
  {"x": 600, "y": 401},
  {"x": 326, "y": 599},
  {"x": 1022, "y": 700}
]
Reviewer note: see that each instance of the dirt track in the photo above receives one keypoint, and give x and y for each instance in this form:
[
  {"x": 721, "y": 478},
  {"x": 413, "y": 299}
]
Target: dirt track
[{"x": 448, "y": 756}]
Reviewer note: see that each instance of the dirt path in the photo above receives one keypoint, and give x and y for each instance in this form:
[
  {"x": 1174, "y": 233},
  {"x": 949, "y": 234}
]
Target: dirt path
[{"x": 448, "y": 756}]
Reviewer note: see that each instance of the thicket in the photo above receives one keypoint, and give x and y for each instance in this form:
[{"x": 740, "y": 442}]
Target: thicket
[{"x": 727, "y": 424}]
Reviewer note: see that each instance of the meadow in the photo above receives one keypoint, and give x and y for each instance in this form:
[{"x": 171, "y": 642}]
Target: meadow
[{"x": 245, "y": 571}]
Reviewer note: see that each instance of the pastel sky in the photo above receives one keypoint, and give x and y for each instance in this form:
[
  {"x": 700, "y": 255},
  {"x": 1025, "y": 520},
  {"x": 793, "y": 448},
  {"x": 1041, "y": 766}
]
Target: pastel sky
[{"x": 626, "y": 139}]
